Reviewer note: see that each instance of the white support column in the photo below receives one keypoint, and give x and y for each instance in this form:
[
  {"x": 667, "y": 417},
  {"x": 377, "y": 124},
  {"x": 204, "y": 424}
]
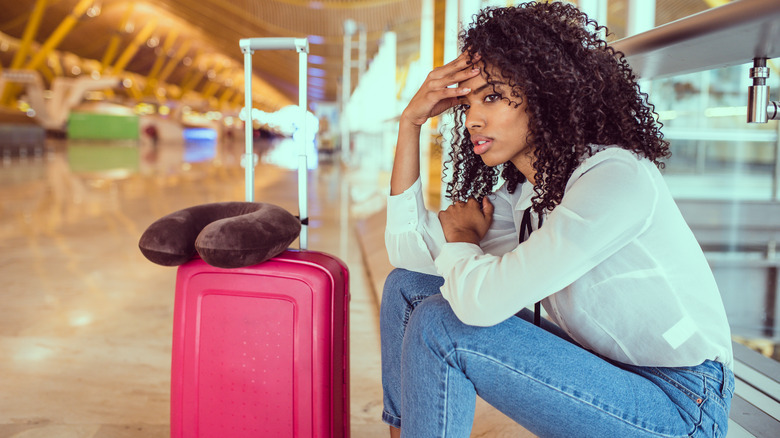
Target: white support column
[
  {"x": 641, "y": 16},
  {"x": 426, "y": 65},
  {"x": 446, "y": 123},
  {"x": 346, "y": 89},
  {"x": 362, "y": 61},
  {"x": 467, "y": 10},
  {"x": 596, "y": 10}
]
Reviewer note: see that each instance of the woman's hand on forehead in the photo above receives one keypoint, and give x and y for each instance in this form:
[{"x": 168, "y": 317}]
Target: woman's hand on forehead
[{"x": 435, "y": 95}]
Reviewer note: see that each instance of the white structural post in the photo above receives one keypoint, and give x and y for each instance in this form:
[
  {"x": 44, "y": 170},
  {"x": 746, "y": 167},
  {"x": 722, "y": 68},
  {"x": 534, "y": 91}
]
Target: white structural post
[
  {"x": 596, "y": 10},
  {"x": 426, "y": 65},
  {"x": 447, "y": 121},
  {"x": 346, "y": 88},
  {"x": 362, "y": 47},
  {"x": 457, "y": 15},
  {"x": 641, "y": 16}
]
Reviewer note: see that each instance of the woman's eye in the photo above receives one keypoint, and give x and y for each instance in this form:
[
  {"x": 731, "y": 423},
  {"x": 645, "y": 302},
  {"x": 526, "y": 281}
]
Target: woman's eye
[
  {"x": 492, "y": 97},
  {"x": 463, "y": 106}
]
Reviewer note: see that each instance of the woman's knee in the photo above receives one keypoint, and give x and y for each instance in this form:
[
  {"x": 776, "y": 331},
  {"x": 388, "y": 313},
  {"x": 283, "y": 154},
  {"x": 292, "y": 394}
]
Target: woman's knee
[
  {"x": 397, "y": 278},
  {"x": 409, "y": 286},
  {"x": 432, "y": 313}
]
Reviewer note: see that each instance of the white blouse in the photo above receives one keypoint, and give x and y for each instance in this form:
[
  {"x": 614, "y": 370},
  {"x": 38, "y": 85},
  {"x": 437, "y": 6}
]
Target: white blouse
[{"x": 614, "y": 264}]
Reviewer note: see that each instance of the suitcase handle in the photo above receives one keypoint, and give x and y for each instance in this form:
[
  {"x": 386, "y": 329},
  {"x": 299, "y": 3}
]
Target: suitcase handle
[{"x": 301, "y": 45}]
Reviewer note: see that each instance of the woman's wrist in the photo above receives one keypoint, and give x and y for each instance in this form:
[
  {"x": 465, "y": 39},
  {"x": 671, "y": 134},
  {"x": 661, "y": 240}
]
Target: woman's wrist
[
  {"x": 407, "y": 121},
  {"x": 464, "y": 236}
]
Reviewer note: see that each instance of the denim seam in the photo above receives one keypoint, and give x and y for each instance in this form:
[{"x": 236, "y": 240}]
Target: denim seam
[
  {"x": 443, "y": 429},
  {"x": 701, "y": 373},
  {"x": 599, "y": 408},
  {"x": 413, "y": 302},
  {"x": 721, "y": 402},
  {"x": 690, "y": 394}
]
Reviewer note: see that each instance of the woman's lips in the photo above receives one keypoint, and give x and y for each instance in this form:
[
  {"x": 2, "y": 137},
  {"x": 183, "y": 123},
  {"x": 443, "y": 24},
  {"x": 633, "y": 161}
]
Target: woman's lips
[{"x": 481, "y": 145}]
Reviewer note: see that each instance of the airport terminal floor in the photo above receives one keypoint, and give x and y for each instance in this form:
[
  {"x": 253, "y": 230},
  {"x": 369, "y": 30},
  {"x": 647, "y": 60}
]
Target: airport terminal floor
[{"x": 86, "y": 320}]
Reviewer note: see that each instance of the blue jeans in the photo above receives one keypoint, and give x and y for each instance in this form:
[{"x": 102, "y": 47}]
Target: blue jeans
[{"x": 434, "y": 366}]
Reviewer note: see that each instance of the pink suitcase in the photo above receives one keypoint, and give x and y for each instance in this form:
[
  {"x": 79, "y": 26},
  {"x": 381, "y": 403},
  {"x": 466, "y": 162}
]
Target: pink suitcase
[{"x": 262, "y": 351}]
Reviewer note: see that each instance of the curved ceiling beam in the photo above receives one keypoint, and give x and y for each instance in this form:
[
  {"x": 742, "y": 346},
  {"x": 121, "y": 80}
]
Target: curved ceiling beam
[
  {"x": 59, "y": 33},
  {"x": 116, "y": 38},
  {"x": 29, "y": 33},
  {"x": 131, "y": 49}
]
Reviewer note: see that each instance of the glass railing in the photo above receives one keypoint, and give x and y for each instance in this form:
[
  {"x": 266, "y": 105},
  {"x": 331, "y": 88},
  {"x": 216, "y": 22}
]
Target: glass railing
[{"x": 723, "y": 174}]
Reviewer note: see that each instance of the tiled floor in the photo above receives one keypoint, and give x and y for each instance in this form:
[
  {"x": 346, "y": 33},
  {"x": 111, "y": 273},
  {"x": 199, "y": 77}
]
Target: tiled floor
[{"x": 85, "y": 320}]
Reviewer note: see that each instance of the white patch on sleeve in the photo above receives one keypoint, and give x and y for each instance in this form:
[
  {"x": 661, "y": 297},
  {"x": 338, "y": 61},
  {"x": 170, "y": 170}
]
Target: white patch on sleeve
[{"x": 680, "y": 332}]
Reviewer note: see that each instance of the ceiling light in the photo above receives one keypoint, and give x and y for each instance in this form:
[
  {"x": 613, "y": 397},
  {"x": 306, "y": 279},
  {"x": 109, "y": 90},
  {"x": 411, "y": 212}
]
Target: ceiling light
[
  {"x": 316, "y": 39},
  {"x": 93, "y": 11},
  {"x": 317, "y": 72}
]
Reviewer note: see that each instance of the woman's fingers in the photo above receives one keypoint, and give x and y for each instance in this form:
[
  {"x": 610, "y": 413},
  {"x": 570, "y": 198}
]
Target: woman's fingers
[
  {"x": 456, "y": 70},
  {"x": 436, "y": 95},
  {"x": 487, "y": 210},
  {"x": 466, "y": 221}
]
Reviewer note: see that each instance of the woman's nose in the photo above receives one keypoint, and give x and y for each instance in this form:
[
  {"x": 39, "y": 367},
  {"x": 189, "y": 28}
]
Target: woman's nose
[{"x": 474, "y": 119}]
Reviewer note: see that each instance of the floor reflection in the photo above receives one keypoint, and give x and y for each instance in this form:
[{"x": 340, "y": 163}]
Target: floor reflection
[{"x": 85, "y": 326}]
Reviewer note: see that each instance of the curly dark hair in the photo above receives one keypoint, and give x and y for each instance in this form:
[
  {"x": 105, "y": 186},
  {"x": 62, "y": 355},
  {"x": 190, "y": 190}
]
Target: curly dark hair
[{"x": 578, "y": 92}]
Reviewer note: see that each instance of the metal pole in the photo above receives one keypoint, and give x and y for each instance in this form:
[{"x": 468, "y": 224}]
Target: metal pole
[
  {"x": 249, "y": 156},
  {"x": 303, "y": 168},
  {"x": 776, "y": 173}
]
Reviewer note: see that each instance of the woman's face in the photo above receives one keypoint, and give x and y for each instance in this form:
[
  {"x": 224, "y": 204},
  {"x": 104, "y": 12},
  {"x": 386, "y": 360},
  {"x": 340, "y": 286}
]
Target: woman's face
[{"x": 498, "y": 129}]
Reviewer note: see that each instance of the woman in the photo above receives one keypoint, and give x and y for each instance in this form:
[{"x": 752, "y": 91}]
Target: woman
[{"x": 636, "y": 342}]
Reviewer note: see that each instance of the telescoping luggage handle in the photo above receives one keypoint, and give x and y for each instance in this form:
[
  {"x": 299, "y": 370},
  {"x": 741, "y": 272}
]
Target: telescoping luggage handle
[{"x": 301, "y": 45}]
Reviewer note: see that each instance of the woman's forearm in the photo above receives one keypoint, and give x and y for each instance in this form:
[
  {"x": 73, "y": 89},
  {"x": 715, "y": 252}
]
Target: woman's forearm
[
  {"x": 406, "y": 166},
  {"x": 434, "y": 97}
]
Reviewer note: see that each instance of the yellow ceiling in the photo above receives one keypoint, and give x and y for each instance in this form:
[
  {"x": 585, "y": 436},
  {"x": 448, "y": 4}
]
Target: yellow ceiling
[
  {"x": 188, "y": 49},
  {"x": 193, "y": 45}
]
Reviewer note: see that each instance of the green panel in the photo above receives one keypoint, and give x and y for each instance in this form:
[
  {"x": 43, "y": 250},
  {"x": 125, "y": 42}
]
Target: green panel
[
  {"x": 102, "y": 126},
  {"x": 101, "y": 157}
]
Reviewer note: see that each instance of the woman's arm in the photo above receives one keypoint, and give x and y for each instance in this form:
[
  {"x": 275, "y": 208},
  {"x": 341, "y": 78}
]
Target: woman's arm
[
  {"x": 607, "y": 206},
  {"x": 433, "y": 98},
  {"x": 414, "y": 235}
]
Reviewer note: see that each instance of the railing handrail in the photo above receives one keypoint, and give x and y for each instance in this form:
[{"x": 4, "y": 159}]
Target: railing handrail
[{"x": 727, "y": 35}]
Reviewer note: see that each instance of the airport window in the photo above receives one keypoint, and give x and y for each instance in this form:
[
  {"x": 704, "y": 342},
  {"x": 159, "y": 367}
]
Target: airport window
[{"x": 724, "y": 175}]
